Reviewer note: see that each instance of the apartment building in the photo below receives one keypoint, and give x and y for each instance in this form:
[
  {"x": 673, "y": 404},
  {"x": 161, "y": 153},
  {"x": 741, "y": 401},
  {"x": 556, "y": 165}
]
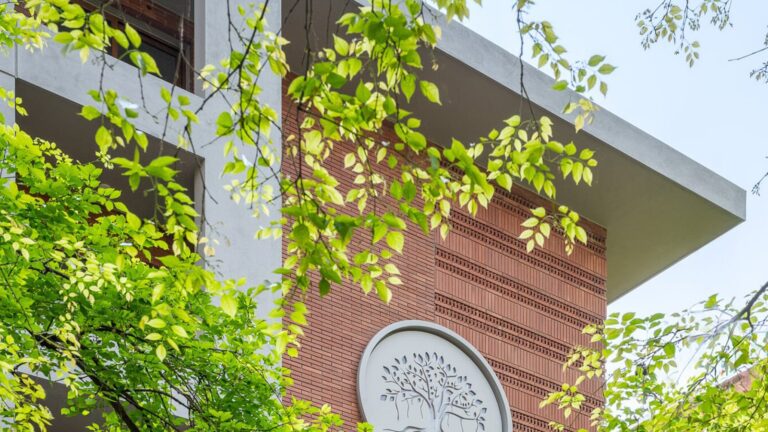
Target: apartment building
[{"x": 475, "y": 309}]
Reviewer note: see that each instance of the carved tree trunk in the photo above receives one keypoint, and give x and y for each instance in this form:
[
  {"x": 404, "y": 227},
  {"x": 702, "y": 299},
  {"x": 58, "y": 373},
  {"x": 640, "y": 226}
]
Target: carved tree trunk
[{"x": 436, "y": 424}]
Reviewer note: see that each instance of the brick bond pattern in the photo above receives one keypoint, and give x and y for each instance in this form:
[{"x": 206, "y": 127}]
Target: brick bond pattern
[{"x": 522, "y": 311}]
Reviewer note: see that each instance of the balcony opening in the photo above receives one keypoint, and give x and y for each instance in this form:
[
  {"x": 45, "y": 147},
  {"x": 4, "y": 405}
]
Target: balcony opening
[{"x": 56, "y": 119}]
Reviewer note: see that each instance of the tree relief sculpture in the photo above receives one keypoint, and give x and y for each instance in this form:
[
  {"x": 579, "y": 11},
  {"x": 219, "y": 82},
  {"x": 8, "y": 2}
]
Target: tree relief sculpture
[
  {"x": 418, "y": 376},
  {"x": 428, "y": 394}
]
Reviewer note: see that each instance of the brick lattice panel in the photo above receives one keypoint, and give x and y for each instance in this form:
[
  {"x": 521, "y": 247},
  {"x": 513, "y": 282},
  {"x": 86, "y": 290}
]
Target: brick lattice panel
[{"x": 522, "y": 311}]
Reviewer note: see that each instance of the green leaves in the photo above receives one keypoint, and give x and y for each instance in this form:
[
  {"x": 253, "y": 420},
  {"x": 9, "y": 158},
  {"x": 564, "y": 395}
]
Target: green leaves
[
  {"x": 538, "y": 229},
  {"x": 159, "y": 168},
  {"x": 145, "y": 304},
  {"x": 577, "y": 171},
  {"x": 165, "y": 94},
  {"x": 103, "y": 138},
  {"x": 64, "y": 38},
  {"x": 313, "y": 142},
  {"x": 224, "y": 124},
  {"x": 90, "y": 113},
  {"x": 362, "y": 93},
  {"x": 340, "y": 45},
  {"x": 229, "y": 305},
  {"x": 505, "y": 181},
  {"x": 121, "y": 39},
  {"x": 408, "y": 86},
  {"x": 711, "y": 302},
  {"x": 639, "y": 354},
  {"x": 298, "y": 315},
  {"x": 145, "y": 62},
  {"x": 384, "y": 293},
  {"x": 606, "y": 69},
  {"x": 161, "y": 352},
  {"x": 132, "y": 35},
  {"x": 396, "y": 241},
  {"x": 156, "y": 323},
  {"x": 133, "y": 220},
  {"x": 320, "y": 219},
  {"x": 595, "y": 60},
  {"x": 430, "y": 91},
  {"x": 140, "y": 296},
  {"x": 179, "y": 331}
]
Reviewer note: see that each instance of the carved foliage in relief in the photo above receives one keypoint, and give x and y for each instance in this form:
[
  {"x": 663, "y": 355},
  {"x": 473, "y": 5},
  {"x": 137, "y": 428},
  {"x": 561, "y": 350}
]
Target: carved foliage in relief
[{"x": 431, "y": 395}]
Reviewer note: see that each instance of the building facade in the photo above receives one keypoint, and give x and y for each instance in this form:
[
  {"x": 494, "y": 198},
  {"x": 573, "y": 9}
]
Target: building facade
[
  {"x": 514, "y": 313},
  {"x": 522, "y": 311}
]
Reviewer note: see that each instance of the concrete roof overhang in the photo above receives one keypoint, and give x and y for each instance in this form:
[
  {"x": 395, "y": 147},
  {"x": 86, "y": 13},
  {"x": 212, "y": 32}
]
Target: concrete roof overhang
[{"x": 657, "y": 205}]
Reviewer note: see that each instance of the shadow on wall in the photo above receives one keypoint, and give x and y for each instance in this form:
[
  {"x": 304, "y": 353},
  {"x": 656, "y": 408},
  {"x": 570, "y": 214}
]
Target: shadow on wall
[{"x": 56, "y": 119}]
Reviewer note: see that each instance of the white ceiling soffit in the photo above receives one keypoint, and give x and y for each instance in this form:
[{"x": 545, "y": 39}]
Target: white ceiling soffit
[{"x": 657, "y": 204}]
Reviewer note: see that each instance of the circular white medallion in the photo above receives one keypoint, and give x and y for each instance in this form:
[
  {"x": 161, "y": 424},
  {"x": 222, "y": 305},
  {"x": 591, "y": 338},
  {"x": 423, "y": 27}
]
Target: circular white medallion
[{"x": 417, "y": 376}]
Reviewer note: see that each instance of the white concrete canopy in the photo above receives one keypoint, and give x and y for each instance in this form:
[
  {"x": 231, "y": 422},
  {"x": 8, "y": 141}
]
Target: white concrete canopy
[{"x": 657, "y": 204}]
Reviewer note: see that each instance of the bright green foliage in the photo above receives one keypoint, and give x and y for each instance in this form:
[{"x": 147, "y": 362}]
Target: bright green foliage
[
  {"x": 582, "y": 76},
  {"x": 670, "y": 20},
  {"x": 671, "y": 373},
  {"x": 92, "y": 296},
  {"x": 519, "y": 156},
  {"x": 85, "y": 32},
  {"x": 117, "y": 308},
  {"x": 673, "y": 22},
  {"x": 388, "y": 38},
  {"x": 16, "y": 28}
]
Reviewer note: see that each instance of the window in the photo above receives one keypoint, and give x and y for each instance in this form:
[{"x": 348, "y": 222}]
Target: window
[{"x": 167, "y": 32}]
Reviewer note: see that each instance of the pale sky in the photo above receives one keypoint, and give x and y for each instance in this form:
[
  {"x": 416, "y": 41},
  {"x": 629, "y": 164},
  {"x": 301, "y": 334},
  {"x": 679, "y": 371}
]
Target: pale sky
[{"x": 714, "y": 113}]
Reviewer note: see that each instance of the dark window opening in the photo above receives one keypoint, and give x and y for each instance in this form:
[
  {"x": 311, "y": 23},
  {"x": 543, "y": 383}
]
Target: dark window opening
[{"x": 167, "y": 32}]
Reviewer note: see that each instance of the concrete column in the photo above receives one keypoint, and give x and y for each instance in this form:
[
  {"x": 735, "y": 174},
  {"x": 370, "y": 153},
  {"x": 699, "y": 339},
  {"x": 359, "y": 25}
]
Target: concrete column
[
  {"x": 239, "y": 254},
  {"x": 8, "y": 81},
  {"x": 8, "y": 60}
]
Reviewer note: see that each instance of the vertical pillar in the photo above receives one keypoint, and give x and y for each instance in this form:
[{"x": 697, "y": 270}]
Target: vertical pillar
[
  {"x": 8, "y": 81},
  {"x": 238, "y": 253}
]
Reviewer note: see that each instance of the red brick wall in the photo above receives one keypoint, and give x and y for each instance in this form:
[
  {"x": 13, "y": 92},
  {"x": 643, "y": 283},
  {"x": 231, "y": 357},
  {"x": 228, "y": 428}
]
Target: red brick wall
[{"x": 522, "y": 311}]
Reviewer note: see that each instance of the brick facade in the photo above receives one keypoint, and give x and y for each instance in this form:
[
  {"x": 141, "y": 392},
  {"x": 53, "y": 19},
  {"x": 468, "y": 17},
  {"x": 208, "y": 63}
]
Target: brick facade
[{"x": 522, "y": 311}]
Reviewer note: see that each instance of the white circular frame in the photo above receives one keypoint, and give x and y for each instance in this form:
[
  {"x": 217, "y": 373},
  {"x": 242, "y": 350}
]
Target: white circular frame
[{"x": 450, "y": 336}]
